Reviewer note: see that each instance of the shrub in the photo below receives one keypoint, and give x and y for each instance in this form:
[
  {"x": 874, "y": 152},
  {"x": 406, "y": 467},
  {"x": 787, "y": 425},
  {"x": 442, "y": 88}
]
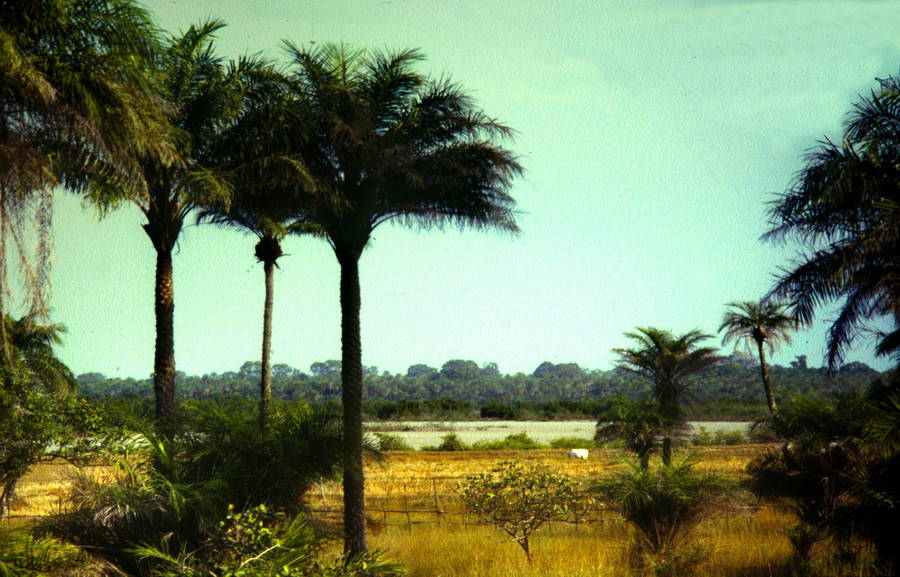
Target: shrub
[
  {"x": 519, "y": 500},
  {"x": 258, "y": 543},
  {"x": 449, "y": 442},
  {"x": 24, "y": 555},
  {"x": 389, "y": 442},
  {"x": 664, "y": 505},
  {"x": 36, "y": 426},
  {"x": 704, "y": 438},
  {"x": 180, "y": 492},
  {"x": 572, "y": 443},
  {"x": 513, "y": 442}
]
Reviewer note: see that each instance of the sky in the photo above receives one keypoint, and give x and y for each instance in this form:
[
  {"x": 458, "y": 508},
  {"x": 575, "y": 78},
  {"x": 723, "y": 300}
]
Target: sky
[{"x": 653, "y": 135}]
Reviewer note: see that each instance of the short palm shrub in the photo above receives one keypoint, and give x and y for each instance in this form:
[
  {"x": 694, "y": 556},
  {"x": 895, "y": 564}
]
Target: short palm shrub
[
  {"x": 838, "y": 471},
  {"x": 664, "y": 506},
  {"x": 174, "y": 495},
  {"x": 260, "y": 543},
  {"x": 637, "y": 425}
]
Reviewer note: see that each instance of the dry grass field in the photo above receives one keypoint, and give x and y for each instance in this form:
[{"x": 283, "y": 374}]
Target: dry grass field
[
  {"x": 418, "y": 519},
  {"x": 405, "y": 493}
]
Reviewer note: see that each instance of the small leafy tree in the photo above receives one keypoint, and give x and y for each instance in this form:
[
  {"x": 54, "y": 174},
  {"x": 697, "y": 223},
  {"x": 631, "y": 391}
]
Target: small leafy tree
[
  {"x": 664, "y": 505},
  {"x": 519, "y": 500}
]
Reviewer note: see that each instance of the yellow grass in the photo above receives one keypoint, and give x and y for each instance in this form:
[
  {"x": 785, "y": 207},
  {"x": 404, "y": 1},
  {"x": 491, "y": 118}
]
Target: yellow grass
[{"x": 405, "y": 493}]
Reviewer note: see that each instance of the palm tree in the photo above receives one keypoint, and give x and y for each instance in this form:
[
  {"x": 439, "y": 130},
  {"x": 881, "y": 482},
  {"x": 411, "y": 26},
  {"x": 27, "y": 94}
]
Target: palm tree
[
  {"x": 845, "y": 207},
  {"x": 263, "y": 202},
  {"x": 763, "y": 323},
  {"x": 385, "y": 143},
  {"x": 667, "y": 361},
  {"x": 638, "y": 423},
  {"x": 206, "y": 95},
  {"x": 31, "y": 350},
  {"x": 75, "y": 104}
]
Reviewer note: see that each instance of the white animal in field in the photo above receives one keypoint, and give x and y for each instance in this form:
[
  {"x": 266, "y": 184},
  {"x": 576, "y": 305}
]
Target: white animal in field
[{"x": 578, "y": 454}]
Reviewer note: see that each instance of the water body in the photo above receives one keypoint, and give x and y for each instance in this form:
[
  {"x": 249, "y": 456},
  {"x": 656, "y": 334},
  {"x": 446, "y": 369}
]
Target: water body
[{"x": 429, "y": 433}]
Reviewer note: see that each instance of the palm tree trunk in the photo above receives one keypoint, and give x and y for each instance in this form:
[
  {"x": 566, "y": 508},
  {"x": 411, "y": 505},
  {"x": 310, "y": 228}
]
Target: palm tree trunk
[
  {"x": 766, "y": 379},
  {"x": 6, "y": 358},
  {"x": 355, "y": 543},
  {"x": 667, "y": 450},
  {"x": 164, "y": 356},
  {"x": 265, "y": 383}
]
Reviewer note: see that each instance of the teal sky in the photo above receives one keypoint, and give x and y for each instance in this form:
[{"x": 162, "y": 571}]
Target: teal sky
[{"x": 652, "y": 134}]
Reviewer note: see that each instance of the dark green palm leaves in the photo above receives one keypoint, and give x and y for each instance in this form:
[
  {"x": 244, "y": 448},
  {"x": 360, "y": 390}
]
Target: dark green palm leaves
[{"x": 845, "y": 207}]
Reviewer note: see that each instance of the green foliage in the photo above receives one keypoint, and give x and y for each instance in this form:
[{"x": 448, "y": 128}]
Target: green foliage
[
  {"x": 450, "y": 442},
  {"x": 519, "y": 500},
  {"x": 389, "y": 442},
  {"x": 728, "y": 391},
  {"x": 174, "y": 497},
  {"x": 572, "y": 443},
  {"x": 24, "y": 555},
  {"x": 275, "y": 466},
  {"x": 36, "y": 426},
  {"x": 844, "y": 207},
  {"x": 512, "y": 442},
  {"x": 664, "y": 505},
  {"x": 667, "y": 361},
  {"x": 706, "y": 438},
  {"x": 839, "y": 471},
  {"x": 259, "y": 543},
  {"x": 637, "y": 424}
]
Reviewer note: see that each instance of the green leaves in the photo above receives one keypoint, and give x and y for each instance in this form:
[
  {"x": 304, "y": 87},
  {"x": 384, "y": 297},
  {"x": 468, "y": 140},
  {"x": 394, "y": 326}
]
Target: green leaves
[{"x": 519, "y": 500}]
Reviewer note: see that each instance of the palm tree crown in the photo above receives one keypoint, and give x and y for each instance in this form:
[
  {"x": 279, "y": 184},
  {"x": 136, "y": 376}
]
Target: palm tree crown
[
  {"x": 667, "y": 361},
  {"x": 845, "y": 206},
  {"x": 381, "y": 142},
  {"x": 760, "y": 322},
  {"x": 75, "y": 104},
  {"x": 766, "y": 324},
  {"x": 31, "y": 350}
]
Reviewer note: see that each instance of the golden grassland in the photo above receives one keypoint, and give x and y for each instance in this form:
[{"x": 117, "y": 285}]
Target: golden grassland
[
  {"x": 416, "y": 517},
  {"x": 745, "y": 541}
]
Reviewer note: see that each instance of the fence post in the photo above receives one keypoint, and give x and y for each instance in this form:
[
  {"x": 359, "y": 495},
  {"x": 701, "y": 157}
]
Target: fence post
[{"x": 437, "y": 503}]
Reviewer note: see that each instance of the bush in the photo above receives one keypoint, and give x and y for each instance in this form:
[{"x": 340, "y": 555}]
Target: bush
[
  {"x": 664, "y": 505},
  {"x": 704, "y": 438},
  {"x": 449, "y": 442},
  {"x": 258, "y": 543},
  {"x": 36, "y": 426},
  {"x": 572, "y": 443},
  {"x": 519, "y": 500},
  {"x": 24, "y": 555},
  {"x": 389, "y": 442},
  {"x": 179, "y": 494},
  {"x": 513, "y": 442}
]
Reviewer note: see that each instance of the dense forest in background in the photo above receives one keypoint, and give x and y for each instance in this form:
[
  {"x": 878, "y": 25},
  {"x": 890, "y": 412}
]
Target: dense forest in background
[{"x": 462, "y": 389}]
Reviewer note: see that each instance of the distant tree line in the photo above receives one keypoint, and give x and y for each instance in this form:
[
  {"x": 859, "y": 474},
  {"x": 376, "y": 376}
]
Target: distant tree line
[{"x": 462, "y": 389}]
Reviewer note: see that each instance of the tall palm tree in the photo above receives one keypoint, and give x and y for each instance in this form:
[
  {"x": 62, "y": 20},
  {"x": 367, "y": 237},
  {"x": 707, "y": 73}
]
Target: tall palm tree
[
  {"x": 667, "y": 361},
  {"x": 844, "y": 205},
  {"x": 205, "y": 94},
  {"x": 763, "y": 323},
  {"x": 75, "y": 105},
  {"x": 385, "y": 143},
  {"x": 254, "y": 152}
]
